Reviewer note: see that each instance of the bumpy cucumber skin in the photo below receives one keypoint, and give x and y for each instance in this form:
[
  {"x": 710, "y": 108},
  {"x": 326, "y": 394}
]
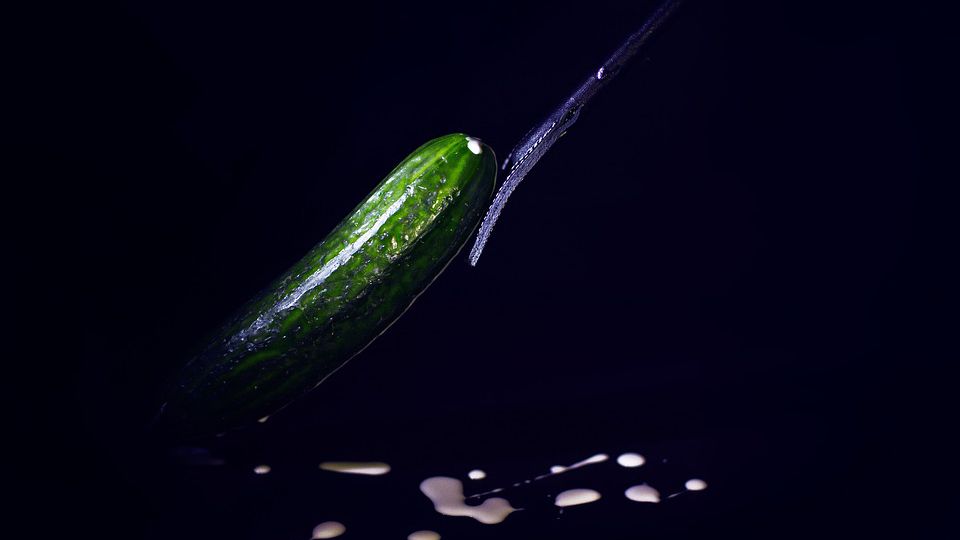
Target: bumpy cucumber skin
[{"x": 345, "y": 292}]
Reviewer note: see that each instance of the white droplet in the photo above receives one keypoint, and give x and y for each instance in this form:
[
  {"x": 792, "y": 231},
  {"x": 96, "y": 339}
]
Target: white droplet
[
  {"x": 447, "y": 497},
  {"x": 573, "y": 497},
  {"x": 261, "y": 469},
  {"x": 556, "y": 469},
  {"x": 643, "y": 493},
  {"x": 372, "y": 468},
  {"x": 424, "y": 535},
  {"x": 328, "y": 529},
  {"x": 476, "y": 474},
  {"x": 695, "y": 484},
  {"x": 599, "y": 458},
  {"x": 600, "y": 73},
  {"x": 474, "y": 145},
  {"x": 263, "y": 420},
  {"x": 631, "y": 460}
]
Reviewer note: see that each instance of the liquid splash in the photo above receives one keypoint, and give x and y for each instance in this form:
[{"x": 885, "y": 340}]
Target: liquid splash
[
  {"x": 446, "y": 494},
  {"x": 372, "y": 468},
  {"x": 576, "y": 497}
]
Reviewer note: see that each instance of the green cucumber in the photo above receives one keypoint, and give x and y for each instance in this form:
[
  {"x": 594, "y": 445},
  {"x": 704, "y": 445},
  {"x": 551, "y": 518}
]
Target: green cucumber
[{"x": 344, "y": 293}]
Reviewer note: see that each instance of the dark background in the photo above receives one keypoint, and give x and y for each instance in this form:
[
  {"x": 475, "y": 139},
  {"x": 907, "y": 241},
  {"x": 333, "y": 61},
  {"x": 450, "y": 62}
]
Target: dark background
[{"x": 733, "y": 262}]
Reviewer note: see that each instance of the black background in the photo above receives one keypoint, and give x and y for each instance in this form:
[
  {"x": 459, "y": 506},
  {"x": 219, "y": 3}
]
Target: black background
[{"x": 731, "y": 262}]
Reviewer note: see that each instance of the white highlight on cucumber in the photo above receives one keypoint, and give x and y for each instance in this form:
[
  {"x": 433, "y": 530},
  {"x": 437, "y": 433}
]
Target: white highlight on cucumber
[
  {"x": 574, "y": 497},
  {"x": 324, "y": 272},
  {"x": 557, "y": 469},
  {"x": 643, "y": 493},
  {"x": 373, "y": 468},
  {"x": 476, "y": 474},
  {"x": 261, "y": 469},
  {"x": 328, "y": 529},
  {"x": 631, "y": 460},
  {"x": 446, "y": 494},
  {"x": 424, "y": 535},
  {"x": 695, "y": 484},
  {"x": 474, "y": 145}
]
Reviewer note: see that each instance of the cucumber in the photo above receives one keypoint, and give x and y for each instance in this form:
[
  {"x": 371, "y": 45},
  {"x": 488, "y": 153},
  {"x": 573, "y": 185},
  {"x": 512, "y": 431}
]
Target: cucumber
[{"x": 344, "y": 293}]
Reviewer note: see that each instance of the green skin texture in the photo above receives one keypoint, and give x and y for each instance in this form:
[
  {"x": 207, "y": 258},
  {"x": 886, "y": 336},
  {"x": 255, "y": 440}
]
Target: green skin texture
[{"x": 343, "y": 294}]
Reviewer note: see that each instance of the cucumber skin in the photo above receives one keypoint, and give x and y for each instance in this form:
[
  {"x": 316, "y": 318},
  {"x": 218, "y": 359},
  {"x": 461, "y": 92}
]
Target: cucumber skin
[{"x": 344, "y": 293}]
